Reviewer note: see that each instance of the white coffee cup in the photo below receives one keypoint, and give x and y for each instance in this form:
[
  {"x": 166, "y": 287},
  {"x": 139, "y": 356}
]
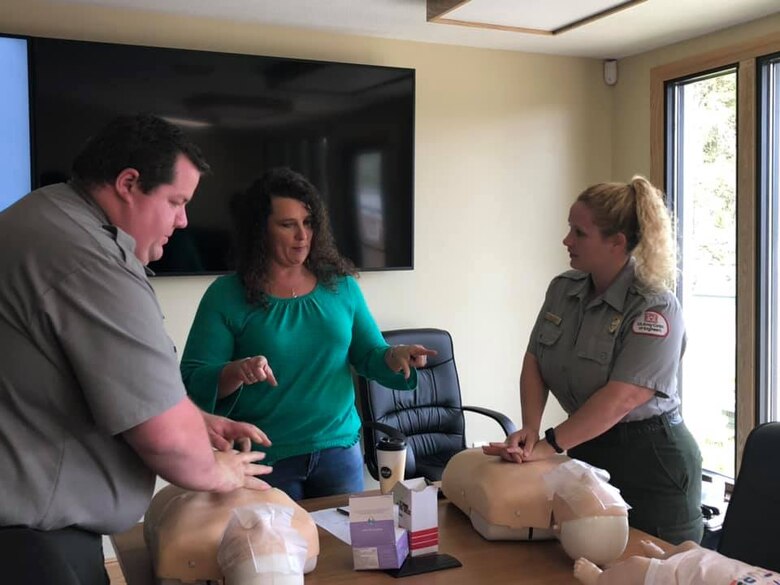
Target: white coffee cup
[{"x": 391, "y": 461}]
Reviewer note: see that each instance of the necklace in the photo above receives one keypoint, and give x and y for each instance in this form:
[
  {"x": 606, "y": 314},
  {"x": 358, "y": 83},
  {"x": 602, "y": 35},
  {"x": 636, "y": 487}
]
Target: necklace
[{"x": 294, "y": 295}]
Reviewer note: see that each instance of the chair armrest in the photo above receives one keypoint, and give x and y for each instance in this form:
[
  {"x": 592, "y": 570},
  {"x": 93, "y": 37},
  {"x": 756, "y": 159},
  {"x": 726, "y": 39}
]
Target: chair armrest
[
  {"x": 386, "y": 429},
  {"x": 506, "y": 423}
]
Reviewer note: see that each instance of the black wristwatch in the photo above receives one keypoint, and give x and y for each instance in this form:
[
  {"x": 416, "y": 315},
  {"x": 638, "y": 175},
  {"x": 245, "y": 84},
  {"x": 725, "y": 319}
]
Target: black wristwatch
[{"x": 549, "y": 436}]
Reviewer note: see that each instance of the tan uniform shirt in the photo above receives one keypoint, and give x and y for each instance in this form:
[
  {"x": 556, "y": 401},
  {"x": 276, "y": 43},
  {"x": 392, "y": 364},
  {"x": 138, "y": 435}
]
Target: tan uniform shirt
[
  {"x": 627, "y": 334},
  {"x": 84, "y": 357}
]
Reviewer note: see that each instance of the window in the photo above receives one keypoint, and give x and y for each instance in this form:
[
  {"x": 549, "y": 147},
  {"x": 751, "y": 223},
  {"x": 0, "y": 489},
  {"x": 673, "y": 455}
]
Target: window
[
  {"x": 756, "y": 204},
  {"x": 701, "y": 186},
  {"x": 769, "y": 249}
]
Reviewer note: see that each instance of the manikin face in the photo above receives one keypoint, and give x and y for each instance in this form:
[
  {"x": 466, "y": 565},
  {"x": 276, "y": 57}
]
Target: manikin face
[
  {"x": 588, "y": 249},
  {"x": 154, "y": 216},
  {"x": 289, "y": 232}
]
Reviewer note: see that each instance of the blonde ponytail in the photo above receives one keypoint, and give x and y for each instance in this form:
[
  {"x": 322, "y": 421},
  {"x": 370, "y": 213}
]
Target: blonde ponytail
[{"x": 655, "y": 254}]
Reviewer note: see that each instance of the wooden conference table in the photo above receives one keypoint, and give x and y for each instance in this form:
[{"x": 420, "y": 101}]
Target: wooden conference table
[{"x": 490, "y": 562}]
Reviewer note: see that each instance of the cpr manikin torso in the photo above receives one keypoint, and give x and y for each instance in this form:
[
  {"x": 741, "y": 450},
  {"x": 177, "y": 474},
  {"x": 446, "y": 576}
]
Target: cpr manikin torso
[
  {"x": 183, "y": 531},
  {"x": 539, "y": 500}
]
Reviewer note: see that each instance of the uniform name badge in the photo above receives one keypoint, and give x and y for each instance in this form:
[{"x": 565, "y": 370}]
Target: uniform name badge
[
  {"x": 615, "y": 323},
  {"x": 552, "y": 318}
]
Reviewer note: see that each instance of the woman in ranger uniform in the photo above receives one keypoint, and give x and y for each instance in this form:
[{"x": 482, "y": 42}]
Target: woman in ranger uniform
[{"x": 608, "y": 343}]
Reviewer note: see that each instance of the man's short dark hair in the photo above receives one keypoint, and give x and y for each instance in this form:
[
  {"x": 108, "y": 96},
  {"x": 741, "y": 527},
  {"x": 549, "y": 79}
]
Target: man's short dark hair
[{"x": 143, "y": 142}]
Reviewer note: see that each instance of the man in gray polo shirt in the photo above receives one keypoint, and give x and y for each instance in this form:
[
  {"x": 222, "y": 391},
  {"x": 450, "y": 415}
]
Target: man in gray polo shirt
[{"x": 92, "y": 404}]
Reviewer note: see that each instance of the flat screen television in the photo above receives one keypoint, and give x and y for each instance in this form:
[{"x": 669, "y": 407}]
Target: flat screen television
[{"x": 349, "y": 128}]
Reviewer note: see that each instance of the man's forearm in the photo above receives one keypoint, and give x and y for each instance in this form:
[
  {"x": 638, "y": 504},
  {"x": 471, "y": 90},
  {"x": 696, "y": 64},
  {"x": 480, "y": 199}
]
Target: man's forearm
[{"x": 175, "y": 445}]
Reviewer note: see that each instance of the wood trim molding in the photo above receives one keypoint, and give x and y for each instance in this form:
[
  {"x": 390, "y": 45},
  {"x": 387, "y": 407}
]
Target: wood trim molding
[
  {"x": 658, "y": 134},
  {"x": 722, "y": 57},
  {"x": 502, "y": 27},
  {"x": 747, "y": 204},
  {"x": 438, "y": 9},
  {"x": 598, "y": 16},
  {"x": 115, "y": 575}
]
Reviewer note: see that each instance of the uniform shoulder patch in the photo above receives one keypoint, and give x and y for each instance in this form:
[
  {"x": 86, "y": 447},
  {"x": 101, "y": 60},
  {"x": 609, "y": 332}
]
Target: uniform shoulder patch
[{"x": 651, "y": 323}]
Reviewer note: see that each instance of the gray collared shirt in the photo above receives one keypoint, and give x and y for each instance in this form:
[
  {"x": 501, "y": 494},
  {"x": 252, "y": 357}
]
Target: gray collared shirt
[
  {"x": 84, "y": 358},
  {"x": 628, "y": 334}
]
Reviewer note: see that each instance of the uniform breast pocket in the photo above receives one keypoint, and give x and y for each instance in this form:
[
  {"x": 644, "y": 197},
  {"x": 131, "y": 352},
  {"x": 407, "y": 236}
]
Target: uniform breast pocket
[
  {"x": 548, "y": 335},
  {"x": 598, "y": 351},
  {"x": 593, "y": 365}
]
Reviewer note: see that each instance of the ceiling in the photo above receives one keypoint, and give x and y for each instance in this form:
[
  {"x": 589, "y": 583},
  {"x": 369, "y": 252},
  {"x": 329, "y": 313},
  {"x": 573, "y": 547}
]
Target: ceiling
[{"x": 638, "y": 28}]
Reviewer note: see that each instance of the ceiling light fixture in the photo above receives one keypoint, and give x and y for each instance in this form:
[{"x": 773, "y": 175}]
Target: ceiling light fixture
[{"x": 524, "y": 16}]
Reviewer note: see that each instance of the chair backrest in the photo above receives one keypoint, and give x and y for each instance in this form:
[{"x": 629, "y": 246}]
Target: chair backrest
[
  {"x": 750, "y": 528},
  {"x": 430, "y": 417}
]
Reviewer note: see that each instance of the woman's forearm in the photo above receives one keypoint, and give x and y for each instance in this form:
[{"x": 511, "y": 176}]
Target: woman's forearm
[
  {"x": 601, "y": 412},
  {"x": 533, "y": 394},
  {"x": 229, "y": 380}
]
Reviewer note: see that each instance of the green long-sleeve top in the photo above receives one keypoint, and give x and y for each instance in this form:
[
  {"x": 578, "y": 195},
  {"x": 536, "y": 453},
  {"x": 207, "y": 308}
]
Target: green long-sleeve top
[{"x": 310, "y": 342}]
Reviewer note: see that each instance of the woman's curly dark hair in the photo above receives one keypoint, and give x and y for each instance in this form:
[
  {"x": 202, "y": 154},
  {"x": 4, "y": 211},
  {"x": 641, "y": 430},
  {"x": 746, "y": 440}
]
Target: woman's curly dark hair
[{"x": 251, "y": 210}]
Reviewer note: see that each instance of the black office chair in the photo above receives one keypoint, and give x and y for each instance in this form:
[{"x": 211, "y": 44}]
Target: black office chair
[
  {"x": 430, "y": 417},
  {"x": 753, "y": 515}
]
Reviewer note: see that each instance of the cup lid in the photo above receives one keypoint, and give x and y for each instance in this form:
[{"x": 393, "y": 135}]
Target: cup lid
[{"x": 391, "y": 444}]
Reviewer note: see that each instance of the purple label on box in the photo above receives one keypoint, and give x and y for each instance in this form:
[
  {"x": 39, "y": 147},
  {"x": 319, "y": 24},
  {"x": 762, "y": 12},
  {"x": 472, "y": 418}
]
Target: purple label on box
[{"x": 372, "y": 533}]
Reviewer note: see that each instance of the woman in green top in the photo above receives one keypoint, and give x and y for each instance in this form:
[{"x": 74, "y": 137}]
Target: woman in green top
[{"x": 273, "y": 343}]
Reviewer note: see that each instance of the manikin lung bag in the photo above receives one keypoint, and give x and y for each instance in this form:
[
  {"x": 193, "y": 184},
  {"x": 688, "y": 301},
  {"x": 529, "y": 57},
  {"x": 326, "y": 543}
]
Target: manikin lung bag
[
  {"x": 590, "y": 515},
  {"x": 260, "y": 547}
]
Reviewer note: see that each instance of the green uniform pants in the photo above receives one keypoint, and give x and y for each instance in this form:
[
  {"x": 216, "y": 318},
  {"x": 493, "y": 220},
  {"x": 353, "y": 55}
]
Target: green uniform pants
[{"x": 656, "y": 465}]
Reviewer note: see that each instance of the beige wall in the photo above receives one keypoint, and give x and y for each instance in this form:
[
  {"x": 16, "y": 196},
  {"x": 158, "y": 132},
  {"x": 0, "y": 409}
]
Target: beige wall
[
  {"x": 631, "y": 119},
  {"x": 503, "y": 142}
]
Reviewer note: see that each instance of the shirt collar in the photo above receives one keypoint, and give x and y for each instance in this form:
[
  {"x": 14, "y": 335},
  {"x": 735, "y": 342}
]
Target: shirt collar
[
  {"x": 90, "y": 202},
  {"x": 615, "y": 295},
  {"x": 125, "y": 241}
]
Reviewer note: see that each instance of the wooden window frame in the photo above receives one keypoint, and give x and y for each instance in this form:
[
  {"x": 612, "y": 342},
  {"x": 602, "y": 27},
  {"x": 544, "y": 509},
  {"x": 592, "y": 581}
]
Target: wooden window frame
[{"x": 743, "y": 56}]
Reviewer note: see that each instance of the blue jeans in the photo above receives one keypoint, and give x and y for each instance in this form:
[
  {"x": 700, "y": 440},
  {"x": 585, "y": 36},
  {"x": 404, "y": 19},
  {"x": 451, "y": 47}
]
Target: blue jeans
[{"x": 323, "y": 473}]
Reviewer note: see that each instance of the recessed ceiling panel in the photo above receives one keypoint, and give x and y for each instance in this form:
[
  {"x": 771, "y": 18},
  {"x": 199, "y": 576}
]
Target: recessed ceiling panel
[{"x": 544, "y": 17}]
